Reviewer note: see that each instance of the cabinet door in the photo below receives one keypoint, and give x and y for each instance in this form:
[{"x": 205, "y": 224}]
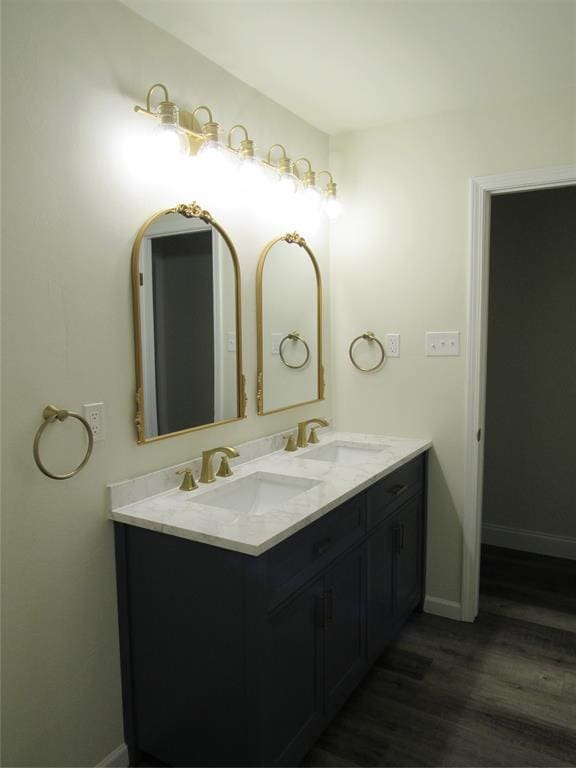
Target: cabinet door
[
  {"x": 345, "y": 627},
  {"x": 381, "y": 561},
  {"x": 293, "y": 702},
  {"x": 407, "y": 530}
]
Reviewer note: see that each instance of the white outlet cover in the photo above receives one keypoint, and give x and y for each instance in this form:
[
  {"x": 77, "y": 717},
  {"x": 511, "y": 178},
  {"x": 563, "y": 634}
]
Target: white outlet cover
[
  {"x": 94, "y": 415},
  {"x": 443, "y": 343},
  {"x": 392, "y": 345}
]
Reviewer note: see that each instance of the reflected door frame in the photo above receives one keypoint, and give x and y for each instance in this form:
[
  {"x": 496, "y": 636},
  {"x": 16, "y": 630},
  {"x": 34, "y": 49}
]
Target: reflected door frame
[{"x": 165, "y": 228}]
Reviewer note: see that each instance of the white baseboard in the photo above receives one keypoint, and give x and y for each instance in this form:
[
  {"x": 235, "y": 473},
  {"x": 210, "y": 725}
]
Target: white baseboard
[
  {"x": 449, "y": 609},
  {"x": 116, "y": 759},
  {"x": 529, "y": 541}
]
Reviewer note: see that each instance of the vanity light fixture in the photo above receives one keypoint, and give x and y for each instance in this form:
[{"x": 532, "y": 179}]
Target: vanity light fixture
[
  {"x": 287, "y": 180},
  {"x": 332, "y": 204},
  {"x": 310, "y": 192},
  {"x": 169, "y": 134},
  {"x": 214, "y": 157},
  {"x": 251, "y": 168},
  {"x": 210, "y": 134}
]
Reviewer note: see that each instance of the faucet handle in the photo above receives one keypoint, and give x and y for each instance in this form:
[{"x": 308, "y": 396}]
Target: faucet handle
[
  {"x": 313, "y": 437},
  {"x": 224, "y": 468},
  {"x": 188, "y": 483},
  {"x": 290, "y": 443}
]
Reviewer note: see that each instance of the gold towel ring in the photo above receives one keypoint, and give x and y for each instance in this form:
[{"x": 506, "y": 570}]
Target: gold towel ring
[
  {"x": 294, "y": 336},
  {"x": 368, "y": 336},
  {"x": 50, "y": 415}
]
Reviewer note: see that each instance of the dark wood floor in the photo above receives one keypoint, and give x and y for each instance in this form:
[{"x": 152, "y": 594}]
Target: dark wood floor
[{"x": 498, "y": 692}]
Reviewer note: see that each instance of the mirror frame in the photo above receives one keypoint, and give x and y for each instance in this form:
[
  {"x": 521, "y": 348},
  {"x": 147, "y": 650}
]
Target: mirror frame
[
  {"x": 189, "y": 211},
  {"x": 290, "y": 238}
]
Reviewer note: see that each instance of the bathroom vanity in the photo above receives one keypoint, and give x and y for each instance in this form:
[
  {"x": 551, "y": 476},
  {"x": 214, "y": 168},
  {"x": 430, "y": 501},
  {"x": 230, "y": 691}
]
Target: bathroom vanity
[{"x": 244, "y": 630}]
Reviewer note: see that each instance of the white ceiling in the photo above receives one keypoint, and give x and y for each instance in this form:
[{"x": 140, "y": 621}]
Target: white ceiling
[{"x": 344, "y": 64}]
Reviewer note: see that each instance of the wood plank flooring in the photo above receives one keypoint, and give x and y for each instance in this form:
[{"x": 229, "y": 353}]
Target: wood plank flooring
[{"x": 498, "y": 692}]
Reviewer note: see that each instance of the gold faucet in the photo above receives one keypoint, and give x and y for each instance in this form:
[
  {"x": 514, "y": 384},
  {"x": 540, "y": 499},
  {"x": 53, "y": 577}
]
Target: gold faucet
[
  {"x": 207, "y": 471},
  {"x": 302, "y": 440}
]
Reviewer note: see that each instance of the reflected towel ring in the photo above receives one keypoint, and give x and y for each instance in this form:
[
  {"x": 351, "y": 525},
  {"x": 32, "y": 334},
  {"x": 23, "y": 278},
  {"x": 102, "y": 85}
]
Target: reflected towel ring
[
  {"x": 368, "y": 336},
  {"x": 50, "y": 415},
  {"x": 294, "y": 336}
]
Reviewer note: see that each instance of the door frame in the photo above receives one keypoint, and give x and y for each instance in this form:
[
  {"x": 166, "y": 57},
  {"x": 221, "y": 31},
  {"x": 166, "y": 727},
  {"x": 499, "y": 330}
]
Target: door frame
[{"x": 481, "y": 190}]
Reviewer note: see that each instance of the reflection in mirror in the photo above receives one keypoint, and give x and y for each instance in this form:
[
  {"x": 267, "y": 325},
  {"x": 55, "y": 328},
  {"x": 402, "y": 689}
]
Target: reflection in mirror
[
  {"x": 186, "y": 285},
  {"x": 289, "y": 308}
]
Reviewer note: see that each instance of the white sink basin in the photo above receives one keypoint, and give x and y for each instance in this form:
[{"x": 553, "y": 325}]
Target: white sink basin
[
  {"x": 344, "y": 452},
  {"x": 256, "y": 494}
]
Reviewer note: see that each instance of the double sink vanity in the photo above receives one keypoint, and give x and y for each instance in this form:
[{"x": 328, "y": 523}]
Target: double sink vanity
[
  {"x": 252, "y": 602},
  {"x": 251, "y": 607}
]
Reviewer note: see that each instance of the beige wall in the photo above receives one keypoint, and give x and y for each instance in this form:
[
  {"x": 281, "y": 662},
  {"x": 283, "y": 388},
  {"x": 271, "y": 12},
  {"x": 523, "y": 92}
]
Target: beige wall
[
  {"x": 399, "y": 263},
  {"x": 529, "y": 478},
  {"x": 73, "y": 202}
]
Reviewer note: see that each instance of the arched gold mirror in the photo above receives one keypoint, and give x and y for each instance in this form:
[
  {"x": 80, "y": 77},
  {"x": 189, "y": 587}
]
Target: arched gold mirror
[
  {"x": 289, "y": 325},
  {"x": 187, "y": 324}
]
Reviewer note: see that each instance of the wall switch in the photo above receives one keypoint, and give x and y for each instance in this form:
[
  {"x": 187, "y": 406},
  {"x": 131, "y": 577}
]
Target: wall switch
[
  {"x": 443, "y": 343},
  {"x": 275, "y": 339},
  {"x": 392, "y": 345},
  {"x": 94, "y": 415},
  {"x": 231, "y": 341}
]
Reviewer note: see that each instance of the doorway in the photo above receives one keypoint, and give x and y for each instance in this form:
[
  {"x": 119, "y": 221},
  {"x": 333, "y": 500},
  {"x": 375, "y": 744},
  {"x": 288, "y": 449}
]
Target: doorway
[{"x": 483, "y": 194}]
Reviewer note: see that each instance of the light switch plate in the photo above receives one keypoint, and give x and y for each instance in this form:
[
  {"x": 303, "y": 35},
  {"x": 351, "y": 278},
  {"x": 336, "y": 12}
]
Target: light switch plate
[
  {"x": 231, "y": 341},
  {"x": 392, "y": 344},
  {"x": 443, "y": 343}
]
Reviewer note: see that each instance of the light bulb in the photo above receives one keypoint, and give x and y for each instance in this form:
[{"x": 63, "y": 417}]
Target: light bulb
[
  {"x": 251, "y": 172},
  {"x": 312, "y": 198},
  {"x": 170, "y": 143},
  {"x": 287, "y": 183},
  {"x": 332, "y": 208},
  {"x": 213, "y": 153}
]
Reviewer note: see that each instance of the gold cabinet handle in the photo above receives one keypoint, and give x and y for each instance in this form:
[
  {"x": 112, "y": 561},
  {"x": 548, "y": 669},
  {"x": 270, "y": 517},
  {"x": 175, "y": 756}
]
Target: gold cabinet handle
[
  {"x": 368, "y": 336},
  {"x": 51, "y": 414},
  {"x": 294, "y": 336}
]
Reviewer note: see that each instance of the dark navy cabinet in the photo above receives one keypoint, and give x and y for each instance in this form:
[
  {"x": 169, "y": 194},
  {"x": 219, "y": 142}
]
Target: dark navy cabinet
[{"x": 234, "y": 660}]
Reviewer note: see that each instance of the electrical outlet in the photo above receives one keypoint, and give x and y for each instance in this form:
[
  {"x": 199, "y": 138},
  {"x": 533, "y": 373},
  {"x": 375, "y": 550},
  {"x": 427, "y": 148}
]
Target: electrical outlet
[
  {"x": 94, "y": 415},
  {"x": 392, "y": 345}
]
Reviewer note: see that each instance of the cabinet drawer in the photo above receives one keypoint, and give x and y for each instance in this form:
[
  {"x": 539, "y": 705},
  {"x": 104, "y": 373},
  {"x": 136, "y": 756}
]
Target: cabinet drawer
[
  {"x": 387, "y": 495},
  {"x": 296, "y": 559}
]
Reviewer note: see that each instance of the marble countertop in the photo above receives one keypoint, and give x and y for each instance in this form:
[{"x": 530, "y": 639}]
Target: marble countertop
[{"x": 182, "y": 513}]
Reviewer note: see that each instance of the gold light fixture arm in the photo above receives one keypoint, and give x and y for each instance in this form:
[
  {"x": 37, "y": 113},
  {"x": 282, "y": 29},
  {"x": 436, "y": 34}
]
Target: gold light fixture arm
[
  {"x": 246, "y": 148},
  {"x": 328, "y": 174},
  {"x": 331, "y": 185},
  {"x": 148, "y": 109},
  {"x": 309, "y": 176},
  {"x": 237, "y": 127},
  {"x": 269, "y": 155},
  {"x": 303, "y": 160},
  {"x": 209, "y": 129}
]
